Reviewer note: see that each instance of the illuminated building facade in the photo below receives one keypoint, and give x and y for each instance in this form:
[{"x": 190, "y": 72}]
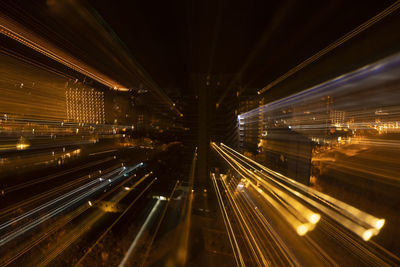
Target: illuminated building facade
[
  {"x": 250, "y": 129},
  {"x": 85, "y": 106},
  {"x": 337, "y": 117}
]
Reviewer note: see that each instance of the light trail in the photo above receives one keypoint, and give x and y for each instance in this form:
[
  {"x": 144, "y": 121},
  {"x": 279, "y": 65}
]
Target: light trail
[
  {"x": 285, "y": 204},
  {"x": 132, "y": 247},
  {"x": 79, "y": 263},
  {"x": 51, "y": 229},
  {"x": 112, "y": 50},
  {"x": 249, "y": 234},
  {"x": 271, "y": 233},
  {"x": 40, "y": 214},
  {"x": 363, "y": 251},
  {"x": 10, "y": 189},
  {"x": 183, "y": 243},
  {"x": 58, "y": 199},
  {"x": 277, "y": 253},
  {"x": 339, "y": 219},
  {"x": 231, "y": 233},
  {"x": 349, "y": 125},
  {"x": 48, "y": 204},
  {"x": 392, "y": 8},
  {"x": 39, "y": 237},
  {"x": 20, "y": 34},
  {"x": 285, "y": 199},
  {"x": 56, "y": 211},
  {"x": 24, "y": 204},
  {"x": 89, "y": 221},
  {"x": 258, "y": 240},
  {"x": 150, "y": 243},
  {"x": 359, "y": 222},
  {"x": 102, "y": 152}
]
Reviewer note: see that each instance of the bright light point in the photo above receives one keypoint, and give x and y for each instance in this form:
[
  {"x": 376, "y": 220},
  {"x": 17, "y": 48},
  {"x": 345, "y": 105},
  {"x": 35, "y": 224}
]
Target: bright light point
[
  {"x": 109, "y": 180},
  {"x": 302, "y": 230},
  {"x": 314, "y": 218},
  {"x": 127, "y": 188},
  {"x": 205, "y": 190},
  {"x": 22, "y": 146},
  {"x": 379, "y": 224},
  {"x": 90, "y": 203},
  {"x": 367, "y": 235},
  {"x": 162, "y": 198},
  {"x": 259, "y": 190}
]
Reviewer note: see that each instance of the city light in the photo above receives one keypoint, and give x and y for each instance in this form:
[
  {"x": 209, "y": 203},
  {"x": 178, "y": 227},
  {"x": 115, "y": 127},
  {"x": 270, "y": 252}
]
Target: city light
[{"x": 263, "y": 133}]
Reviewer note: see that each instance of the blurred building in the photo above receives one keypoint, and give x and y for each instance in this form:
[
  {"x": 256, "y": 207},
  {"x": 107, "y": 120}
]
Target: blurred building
[
  {"x": 337, "y": 117},
  {"x": 288, "y": 152},
  {"x": 250, "y": 127},
  {"x": 85, "y": 106},
  {"x": 217, "y": 121}
]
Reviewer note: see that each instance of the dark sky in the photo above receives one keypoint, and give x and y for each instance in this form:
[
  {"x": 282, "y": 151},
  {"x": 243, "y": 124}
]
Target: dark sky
[{"x": 262, "y": 39}]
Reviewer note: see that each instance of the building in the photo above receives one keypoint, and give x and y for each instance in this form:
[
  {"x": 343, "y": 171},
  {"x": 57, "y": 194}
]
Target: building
[
  {"x": 250, "y": 127},
  {"x": 288, "y": 152},
  {"x": 337, "y": 117},
  {"x": 85, "y": 106}
]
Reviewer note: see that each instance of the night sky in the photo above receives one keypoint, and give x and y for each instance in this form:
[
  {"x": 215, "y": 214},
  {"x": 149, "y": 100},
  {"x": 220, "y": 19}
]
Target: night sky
[{"x": 261, "y": 39}]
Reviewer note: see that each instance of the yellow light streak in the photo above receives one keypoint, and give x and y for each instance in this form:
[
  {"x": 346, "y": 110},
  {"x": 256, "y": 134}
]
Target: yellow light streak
[
  {"x": 359, "y": 222},
  {"x": 300, "y": 210}
]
